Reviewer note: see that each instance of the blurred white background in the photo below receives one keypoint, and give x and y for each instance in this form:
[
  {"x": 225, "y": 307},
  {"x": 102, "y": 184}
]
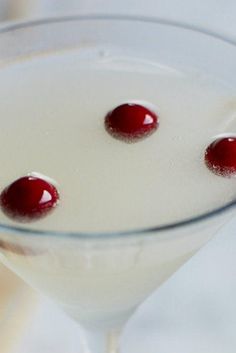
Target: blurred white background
[{"x": 194, "y": 312}]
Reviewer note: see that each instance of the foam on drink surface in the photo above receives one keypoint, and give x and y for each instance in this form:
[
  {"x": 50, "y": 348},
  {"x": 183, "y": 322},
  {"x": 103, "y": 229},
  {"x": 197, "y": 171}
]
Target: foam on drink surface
[{"x": 52, "y": 111}]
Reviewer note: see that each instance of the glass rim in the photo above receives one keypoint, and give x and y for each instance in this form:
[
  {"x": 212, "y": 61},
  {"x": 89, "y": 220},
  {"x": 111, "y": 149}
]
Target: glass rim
[{"x": 199, "y": 218}]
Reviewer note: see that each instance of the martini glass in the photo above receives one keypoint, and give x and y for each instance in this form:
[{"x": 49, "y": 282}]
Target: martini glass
[{"x": 99, "y": 279}]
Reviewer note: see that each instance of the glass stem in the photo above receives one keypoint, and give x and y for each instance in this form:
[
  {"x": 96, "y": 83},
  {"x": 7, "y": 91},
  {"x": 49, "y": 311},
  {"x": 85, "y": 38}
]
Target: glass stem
[{"x": 101, "y": 341}]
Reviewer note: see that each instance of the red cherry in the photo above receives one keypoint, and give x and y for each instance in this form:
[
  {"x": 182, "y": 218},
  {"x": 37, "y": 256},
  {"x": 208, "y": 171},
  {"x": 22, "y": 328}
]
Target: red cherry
[
  {"x": 28, "y": 198},
  {"x": 220, "y": 156},
  {"x": 131, "y": 122}
]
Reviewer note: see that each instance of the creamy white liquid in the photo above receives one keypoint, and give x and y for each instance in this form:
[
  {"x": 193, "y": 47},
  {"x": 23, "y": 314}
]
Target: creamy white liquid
[
  {"x": 52, "y": 122},
  {"x": 52, "y": 111}
]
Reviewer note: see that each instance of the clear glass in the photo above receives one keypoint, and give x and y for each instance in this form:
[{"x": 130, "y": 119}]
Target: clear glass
[{"x": 100, "y": 279}]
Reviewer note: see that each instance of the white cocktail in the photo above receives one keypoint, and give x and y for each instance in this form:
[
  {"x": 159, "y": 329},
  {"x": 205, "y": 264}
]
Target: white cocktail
[{"x": 129, "y": 214}]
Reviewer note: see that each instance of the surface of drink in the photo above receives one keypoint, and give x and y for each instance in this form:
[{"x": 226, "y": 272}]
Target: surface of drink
[{"x": 53, "y": 109}]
